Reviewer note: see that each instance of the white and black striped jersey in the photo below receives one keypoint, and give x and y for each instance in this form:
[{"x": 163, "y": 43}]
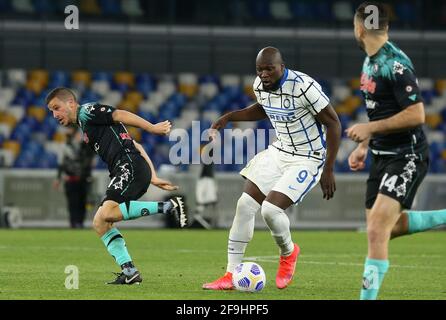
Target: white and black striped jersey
[{"x": 291, "y": 109}]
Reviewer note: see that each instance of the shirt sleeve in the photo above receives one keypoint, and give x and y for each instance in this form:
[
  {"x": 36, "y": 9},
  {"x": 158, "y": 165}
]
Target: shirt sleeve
[
  {"x": 97, "y": 114},
  {"x": 312, "y": 97},
  {"x": 405, "y": 85},
  {"x": 255, "y": 88}
]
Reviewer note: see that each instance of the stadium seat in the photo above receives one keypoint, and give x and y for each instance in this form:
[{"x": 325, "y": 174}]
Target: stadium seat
[
  {"x": 6, "y": 158},
  {"x": 343, "y": 11},
  {"x": 6, "y": 96},
  {"x": 12, "y": 146},
  {"x": 188, "y": 84},
  {"x": 59, "y": 79},
  {"x": 16, "y": 78},
  {"x": 81, "y": 77},
  {"x": 23, "y": 6},
  {"x": 90, "y": 7},
  {"x": 230, "y": 80},
  {"x": 131, "y": 8},
  {"x": 126, "y": 78},
  {"x": 301, "y": 10},
  {"x": 406, "y": 12},
  {"x": 280, "y": 10},
  {"x": 260, "y": 9},
  {"x": 60, "y": 5},
  {"x": 5, "y": 6},
  {"x": 44, "y": 7},
  {"x": 110, "y": 7},
  {"x": 440, "y": 86},
  {"x": 37, "y": 113}
]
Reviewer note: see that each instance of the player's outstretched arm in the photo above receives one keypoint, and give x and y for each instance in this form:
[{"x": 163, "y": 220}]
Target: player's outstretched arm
[
  {"x": 410, "y": 117},
  {"x": 330, "y": 120},
  {"x": 253, "y": 112},
  {"x": 156, "y": 181},
  {"x": 131, "y": 119}
]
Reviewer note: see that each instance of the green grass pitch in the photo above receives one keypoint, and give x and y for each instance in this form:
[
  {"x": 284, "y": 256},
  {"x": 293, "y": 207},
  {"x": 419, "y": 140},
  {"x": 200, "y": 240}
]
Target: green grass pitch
[{"x": 175, "y": 263}]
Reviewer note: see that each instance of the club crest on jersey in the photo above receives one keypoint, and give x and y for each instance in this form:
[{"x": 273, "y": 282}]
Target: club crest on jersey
[
  {"x": 286, "y": 103},
  {"x": 398, "y": 68},
  {"x": 409, "y": 89},
  {"x": 89, "y": 108}
]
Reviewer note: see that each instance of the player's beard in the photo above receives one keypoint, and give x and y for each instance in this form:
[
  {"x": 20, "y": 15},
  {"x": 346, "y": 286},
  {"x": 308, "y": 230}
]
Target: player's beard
[{"x": 361, "y": 44}]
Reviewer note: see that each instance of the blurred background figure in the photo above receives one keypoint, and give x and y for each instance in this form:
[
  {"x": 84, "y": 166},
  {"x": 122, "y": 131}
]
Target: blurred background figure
[
  {"x": 206, "y": 196},
  {"x": 74, "y": 171}
]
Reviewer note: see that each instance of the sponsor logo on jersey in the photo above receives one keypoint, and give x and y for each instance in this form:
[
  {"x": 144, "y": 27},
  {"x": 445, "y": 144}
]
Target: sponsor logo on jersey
[
  {"x": 125, "y": 136},
  {"x": 367, "y": 83},
  {"x": 370, "y": 104}
]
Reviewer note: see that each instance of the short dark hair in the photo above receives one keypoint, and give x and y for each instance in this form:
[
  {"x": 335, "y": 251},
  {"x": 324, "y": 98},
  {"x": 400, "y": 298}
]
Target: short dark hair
[
  {"x": 383, "y": 14},
  {"x": 61, "y": 93}
]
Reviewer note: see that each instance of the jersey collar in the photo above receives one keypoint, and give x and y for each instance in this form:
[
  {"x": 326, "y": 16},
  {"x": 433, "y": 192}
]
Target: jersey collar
[{"x": 284, "y": 77}]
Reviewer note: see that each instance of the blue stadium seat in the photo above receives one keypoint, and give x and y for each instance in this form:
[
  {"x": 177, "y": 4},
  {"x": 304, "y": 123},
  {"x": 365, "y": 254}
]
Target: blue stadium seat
[
  {"x": 24, "y": 97},
  {"x": 209, "y": 78},
  {"x": 103, "y": 75},
  {"x": 302, "y": 10},
  {"x": 406, "y": 12},
  {"x": 59, "y": 79},
  {"x": 110, "y": 7},
  {"x": 44, "y": 7},
  {"x": 47, "y": 161},
  {"x": 5, "y": 6},
  {"x": 61, "y": 4},
  {"x": 260, "y": 9}
]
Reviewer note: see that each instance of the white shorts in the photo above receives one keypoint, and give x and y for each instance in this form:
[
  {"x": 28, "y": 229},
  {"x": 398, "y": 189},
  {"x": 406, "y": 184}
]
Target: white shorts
[{"x": 291, "y": 175}]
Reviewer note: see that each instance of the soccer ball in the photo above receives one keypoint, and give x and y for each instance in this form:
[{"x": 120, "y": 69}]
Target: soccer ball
[{"x": 249, "y": 277}]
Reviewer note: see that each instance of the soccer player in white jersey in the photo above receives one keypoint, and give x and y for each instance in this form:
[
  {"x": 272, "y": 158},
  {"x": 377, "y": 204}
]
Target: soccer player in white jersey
[{"x": 308, "y": 135}]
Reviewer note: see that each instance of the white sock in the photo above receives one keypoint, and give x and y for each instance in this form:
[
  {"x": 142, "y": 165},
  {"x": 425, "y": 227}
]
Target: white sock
[
  {"x": 242, "y": 230},
  {"x": 279, "y": 224}
]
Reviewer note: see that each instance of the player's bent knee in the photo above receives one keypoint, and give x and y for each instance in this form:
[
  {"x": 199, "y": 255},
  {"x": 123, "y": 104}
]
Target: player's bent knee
[
  {"x": 99, "y": 222},
  {"x": 270, "y": 211},
  {"x": 246, "y": 205}
]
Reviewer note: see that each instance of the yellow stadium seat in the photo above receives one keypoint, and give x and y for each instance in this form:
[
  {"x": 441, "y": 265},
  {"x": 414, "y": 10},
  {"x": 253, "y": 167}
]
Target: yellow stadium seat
[
  {"x": 355, "y": 83},
  {"x": 135, "y": 133},
  {"x": 81, "y": 76},
  {"x": 188, "y": 90},
  {"x": 90, "y": 7},
  {"x": 35, "y": 85},
  {"x": 443, "y": 154},
  {"x": 248, "y": 90},
  {"x": 59, "y": 137},
  {"x": 135, "y": 97},
  {"x": 433, "y": 120},
  {"x": 37, "y": 113},
  {"x": 342, "y": 109},
  {"x": 125, "y": 78},
  {"x": 9, "y": 119},
  {"x": 39, "y": 75},
  {"x": 440, "y": 85},
  {"x": 13, "y": 146},
  {"x": 128, "y": 105}
]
